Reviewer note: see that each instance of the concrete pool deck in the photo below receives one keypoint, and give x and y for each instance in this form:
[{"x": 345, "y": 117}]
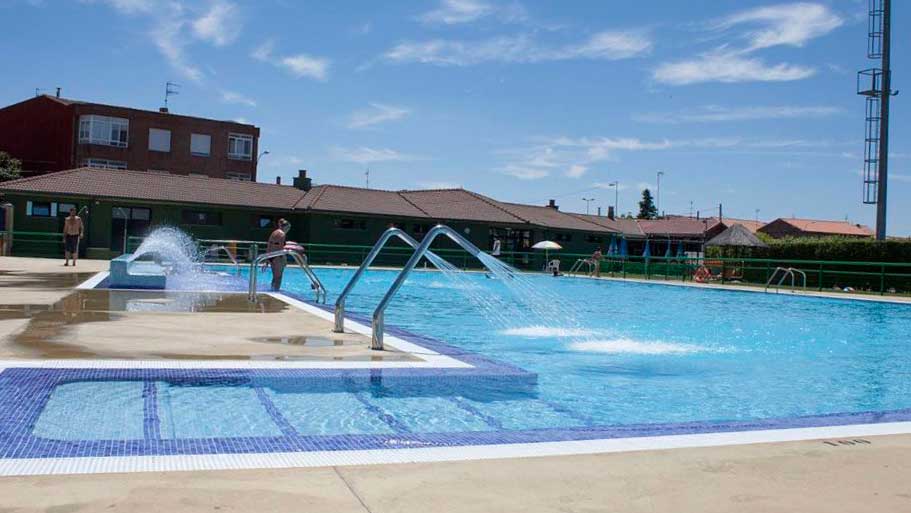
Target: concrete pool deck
[{"x": 852, "y": 474}]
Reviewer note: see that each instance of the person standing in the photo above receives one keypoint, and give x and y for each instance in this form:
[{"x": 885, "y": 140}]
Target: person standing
[
  {"x": 597, "y": 256},
  {"x": 73, "y": 231},
  {"x": 277, "y": 242}
]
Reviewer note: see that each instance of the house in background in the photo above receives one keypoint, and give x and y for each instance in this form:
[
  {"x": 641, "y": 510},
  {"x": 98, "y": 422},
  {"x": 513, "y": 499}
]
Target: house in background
[
  {"x": 791, "y": 227},
  {"x": 49, "y": 133}
]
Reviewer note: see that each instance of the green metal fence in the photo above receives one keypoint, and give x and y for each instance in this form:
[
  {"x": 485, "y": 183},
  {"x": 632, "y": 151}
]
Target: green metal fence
[{"x": 871, "y": 277}]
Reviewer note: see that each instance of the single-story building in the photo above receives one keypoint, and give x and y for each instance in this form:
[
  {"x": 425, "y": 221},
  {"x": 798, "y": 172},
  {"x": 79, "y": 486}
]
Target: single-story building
[{"x": 791, "y": 227}]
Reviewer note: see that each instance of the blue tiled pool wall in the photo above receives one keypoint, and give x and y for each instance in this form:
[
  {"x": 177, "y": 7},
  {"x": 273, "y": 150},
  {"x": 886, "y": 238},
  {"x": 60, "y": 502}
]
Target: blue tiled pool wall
[{"x": 25, "y": 392}]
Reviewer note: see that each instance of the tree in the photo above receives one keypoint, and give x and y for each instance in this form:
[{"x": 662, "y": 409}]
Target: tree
[
  {"x": 10, "y": 168},
  {"x": 647, "y": 209}
]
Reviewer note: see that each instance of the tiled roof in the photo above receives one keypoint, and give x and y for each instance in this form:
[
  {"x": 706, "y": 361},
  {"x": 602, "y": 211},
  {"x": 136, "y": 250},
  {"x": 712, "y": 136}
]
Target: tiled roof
[
  {"x": 459, "y": 204},
  {"x": 628, "y": 227},
  {"x": 681, "y": 226},
  {"x": 828, "y": 227},
  {"x": 749, "y": 224},
  {"x": 550, "y": 217},
  {"x": 143, "y": 185},
  {"x": 355, "y": 200}
]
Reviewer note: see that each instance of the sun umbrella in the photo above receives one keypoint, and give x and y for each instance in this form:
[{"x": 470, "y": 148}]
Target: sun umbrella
[
  {"x": 681, "y": 251},
  {"x": 670, "y": 250},
  {"x": 612, "y": 249},
  {"x": 547, "y": 245},
  {"x": 647, "y": 252},
  {"x": 624, "y": 251}
]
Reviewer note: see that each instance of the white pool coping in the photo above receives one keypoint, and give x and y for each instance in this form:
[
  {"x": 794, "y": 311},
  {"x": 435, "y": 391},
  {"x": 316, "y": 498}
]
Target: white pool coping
[{"x": 179, "y": 463}]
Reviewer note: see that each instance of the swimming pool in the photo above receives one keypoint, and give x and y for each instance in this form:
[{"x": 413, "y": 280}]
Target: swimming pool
[{"x": 599, "y": 359}]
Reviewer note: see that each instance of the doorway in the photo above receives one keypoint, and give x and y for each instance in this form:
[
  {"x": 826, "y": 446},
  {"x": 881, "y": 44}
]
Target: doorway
[{"x": 128, "y": 222}]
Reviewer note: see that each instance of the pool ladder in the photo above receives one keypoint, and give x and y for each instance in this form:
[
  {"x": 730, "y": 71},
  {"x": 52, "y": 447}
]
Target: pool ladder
[
  {"x": 299, "y": 259},
  {"x": 377, "y": 247},
  {"x": 782, "y": 274},
  {"x": 376, "y": 341},
  {"x": 577, "y": 267},
  {"x": 226, "y": 251}
]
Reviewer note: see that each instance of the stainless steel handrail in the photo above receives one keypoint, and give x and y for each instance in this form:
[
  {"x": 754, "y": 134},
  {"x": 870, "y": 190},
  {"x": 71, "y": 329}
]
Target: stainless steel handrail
[
  {"x": 376, "y": 341},
  {"x": 227, "y": 251},
  {"x": 300, "y": 259},
  {"x": 785, "y": 272},
  {"x": 577, "y": 267},
  {"x": 377, "y": 247}
]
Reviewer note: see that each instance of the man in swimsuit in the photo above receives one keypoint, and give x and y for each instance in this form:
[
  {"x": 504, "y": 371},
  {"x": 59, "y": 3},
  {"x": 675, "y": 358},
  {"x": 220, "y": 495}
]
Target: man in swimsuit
[
  {"x": 72, "y": 233},
  {"x": 275, "y": 243}
]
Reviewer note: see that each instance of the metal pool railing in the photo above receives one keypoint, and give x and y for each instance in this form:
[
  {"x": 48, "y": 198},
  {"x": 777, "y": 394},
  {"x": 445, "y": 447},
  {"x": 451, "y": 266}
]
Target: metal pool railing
[{"x": 301, "y": 261}]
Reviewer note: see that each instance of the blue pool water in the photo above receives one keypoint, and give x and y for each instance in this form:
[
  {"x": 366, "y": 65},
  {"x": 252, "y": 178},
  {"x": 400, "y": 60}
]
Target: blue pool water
[{"x": 613, "y": 354}]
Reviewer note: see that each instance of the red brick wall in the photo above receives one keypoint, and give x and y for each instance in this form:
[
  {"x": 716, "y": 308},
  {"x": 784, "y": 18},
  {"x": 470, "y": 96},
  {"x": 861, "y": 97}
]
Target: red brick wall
[
  {"x": 179, "y": 160},
  {"x": 39, "y": 132}
]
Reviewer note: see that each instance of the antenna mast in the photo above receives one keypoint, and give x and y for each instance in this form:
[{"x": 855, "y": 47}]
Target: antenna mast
[{"x": 170, "y": 89}]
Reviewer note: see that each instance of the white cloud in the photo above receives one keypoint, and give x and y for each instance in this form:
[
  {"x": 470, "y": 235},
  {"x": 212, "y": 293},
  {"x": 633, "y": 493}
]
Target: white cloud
[
  {"x": 129, "y": 6},
  {"x": 784, "y": 24},
  {"x": 168, "y": 37},
  {"x": 717, "y": 113},
  {"x": 728, "y": 68},
  {"x": 608, "y": 45},
  {"x": 376, "y": 114},
  {"x": 452, "y": 12},
  {"x": 366, "y": 155},
  {"x": 523, "y": 172},
  {"x": 220, "y": 25},
  {"x": 576, "y": 171},
  {"x": 778, "y": 25},
  {"x": 299, "y": 65},
  {"x": 237, "y": 98}
]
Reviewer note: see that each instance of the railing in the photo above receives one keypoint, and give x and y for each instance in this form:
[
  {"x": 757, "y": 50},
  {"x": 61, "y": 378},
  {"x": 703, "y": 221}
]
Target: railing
[
  {"x": 301, "y": 261},
  {"x": 380, "y": 243},
  {"x": 577, "y": 267},
  {"x": 376, "y": 341},
  {"x": 225, "y": 250},
  {"x": 785, "y": 272}
]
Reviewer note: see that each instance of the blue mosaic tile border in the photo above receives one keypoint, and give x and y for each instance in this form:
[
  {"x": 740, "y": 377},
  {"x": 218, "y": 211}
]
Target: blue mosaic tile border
[{"x": 24, "y": 393}]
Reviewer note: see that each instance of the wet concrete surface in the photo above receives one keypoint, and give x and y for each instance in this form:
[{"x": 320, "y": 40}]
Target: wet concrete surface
[
  {"x": 147, "y": 325},
  {"x": 26, "y": 279}
]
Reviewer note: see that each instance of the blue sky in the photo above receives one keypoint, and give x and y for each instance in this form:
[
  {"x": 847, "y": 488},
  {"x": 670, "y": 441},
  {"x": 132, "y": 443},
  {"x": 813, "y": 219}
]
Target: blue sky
[{"x": 746, "y": 103}]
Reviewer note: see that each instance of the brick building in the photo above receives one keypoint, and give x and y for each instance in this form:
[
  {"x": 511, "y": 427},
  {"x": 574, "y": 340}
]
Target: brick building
[
  {"x": 49, "y": 133},
  {"x": 790, "y": 227}
]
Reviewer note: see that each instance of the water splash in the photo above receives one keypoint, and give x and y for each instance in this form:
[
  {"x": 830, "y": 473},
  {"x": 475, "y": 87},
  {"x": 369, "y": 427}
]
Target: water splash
[
  {"x": 630, "y": 346},
  {"x": 182, "y": 261}
]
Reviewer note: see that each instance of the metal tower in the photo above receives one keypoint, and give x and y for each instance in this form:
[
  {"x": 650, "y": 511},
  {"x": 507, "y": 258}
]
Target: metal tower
[{"x": 874, "y": 84}]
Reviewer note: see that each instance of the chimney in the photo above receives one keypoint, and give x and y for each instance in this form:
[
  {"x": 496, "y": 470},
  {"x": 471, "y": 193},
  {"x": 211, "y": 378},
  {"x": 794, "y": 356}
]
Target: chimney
[
  {"x": 163, "y": 110},
  {"x": 553, "y": 204},
  {"x": 610, "y": 212},
  {"x": 599, "y": 211},
  {"x": 58, "y": 92},
  {"x": 301, "y": 181},
  {"x": 278, "y": 180}
]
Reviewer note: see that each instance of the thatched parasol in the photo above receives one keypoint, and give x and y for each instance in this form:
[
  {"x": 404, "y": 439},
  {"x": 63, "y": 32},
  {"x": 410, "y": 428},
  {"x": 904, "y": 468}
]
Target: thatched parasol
[{"x": 737, "y": 236}]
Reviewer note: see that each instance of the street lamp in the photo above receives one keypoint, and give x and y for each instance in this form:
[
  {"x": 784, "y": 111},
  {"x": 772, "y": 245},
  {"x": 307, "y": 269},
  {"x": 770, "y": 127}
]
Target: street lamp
[
  {"x": 616, "y": 185},
  {"x": 658, "y": 194},
  {"x": 588, "y": 202},
  {"x": 264, "y": 152}
]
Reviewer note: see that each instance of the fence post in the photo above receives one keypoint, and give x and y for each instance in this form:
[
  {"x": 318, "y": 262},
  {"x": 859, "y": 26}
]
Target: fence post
[
  {"x": 882, "y": 280},
  {"x": 820, "y": 278}
]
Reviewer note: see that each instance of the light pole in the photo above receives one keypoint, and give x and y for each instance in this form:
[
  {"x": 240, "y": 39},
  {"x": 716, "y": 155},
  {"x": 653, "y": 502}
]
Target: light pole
[
  {"x": 588, "y": 202},
  {"x": 757, "y": 215},
  {"x": 616, "y": 185},
  {"x": 658, "y": 194}
]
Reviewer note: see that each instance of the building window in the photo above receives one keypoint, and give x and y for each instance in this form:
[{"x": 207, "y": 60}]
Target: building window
[
  {"x": 200, "y": 144},
  {"x": 351, "y": 224},
  {"x": 104, "y": 163},
  {"x": 131, "y": 213},
  {"x": 594, "y": 238},
  {"x": 563, "y": 237},
  {"x": 104, "y": 130},
  {"x": 264, "y": 221},
  {"x": 202, "y": 218},
  {"x": 159, "y": 140},
  {"x": 240, "y": 146},
  {"x": 41, "y": 208},
  {"x": 63, "y": 209},
  {"x": 241, "y": 177}
]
